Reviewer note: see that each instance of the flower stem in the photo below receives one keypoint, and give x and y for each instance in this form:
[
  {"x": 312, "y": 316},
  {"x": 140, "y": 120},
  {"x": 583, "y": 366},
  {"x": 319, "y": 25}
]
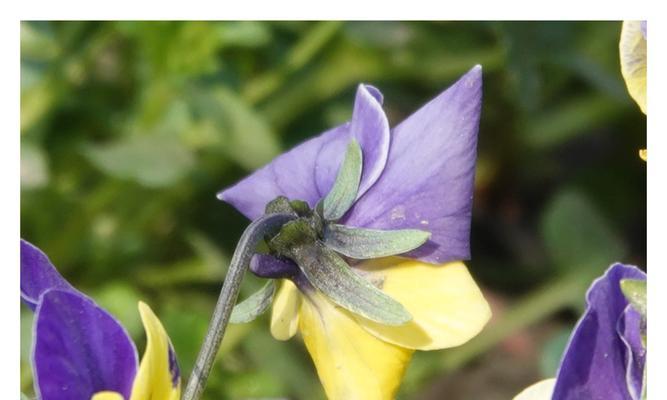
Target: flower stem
[{"x": 256, "y": 231}]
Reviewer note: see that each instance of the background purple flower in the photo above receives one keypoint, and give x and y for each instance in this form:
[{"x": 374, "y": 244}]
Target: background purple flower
[
  {"x": 79, "y": 349},
  {"x": 604, "y": 358}
]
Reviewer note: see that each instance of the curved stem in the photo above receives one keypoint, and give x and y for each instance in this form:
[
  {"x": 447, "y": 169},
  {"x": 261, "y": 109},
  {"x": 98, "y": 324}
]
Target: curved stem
[{"x": 255, "y": 232}]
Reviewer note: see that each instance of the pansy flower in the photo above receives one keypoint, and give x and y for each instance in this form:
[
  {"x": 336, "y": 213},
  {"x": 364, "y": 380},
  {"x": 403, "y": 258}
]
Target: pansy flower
[
  {"x": 81, "y": 352},
  {"x": 371, "y": 270},
  {"x": 632, "y": 48},
  {"x": 606, "y": 355}
]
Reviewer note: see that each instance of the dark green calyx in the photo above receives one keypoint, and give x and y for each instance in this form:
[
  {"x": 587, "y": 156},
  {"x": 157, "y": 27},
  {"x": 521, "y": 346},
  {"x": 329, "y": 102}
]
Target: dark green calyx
[
  {"x": 313, "y": 242},
  {"x": 283, "y": 205},
  {"x": 293, "y": 234},
  {"x": 302, "y": 241},
  {"x": 301, "y": 210}
]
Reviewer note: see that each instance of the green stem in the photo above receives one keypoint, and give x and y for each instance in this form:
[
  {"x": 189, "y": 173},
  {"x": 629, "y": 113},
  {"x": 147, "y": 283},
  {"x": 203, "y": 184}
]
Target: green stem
[{"x": 255, "y": 233}]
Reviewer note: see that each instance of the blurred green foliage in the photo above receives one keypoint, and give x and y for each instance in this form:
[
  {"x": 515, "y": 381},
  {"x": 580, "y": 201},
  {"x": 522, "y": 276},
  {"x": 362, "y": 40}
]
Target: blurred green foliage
[{"x": 128, "y": 129}]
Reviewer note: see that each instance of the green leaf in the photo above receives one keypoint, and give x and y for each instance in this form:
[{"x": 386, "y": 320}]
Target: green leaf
[
  {"x": 285, "y": 362},
  {"x": 38, "y": 41},
  {"x": 329, "y": 273},
  {"x": 577, "y": 236},
  {"x": 27, "y": 319},
  {"x": 345, "y": 188},
  {"x": 240, "y": 133},
  {"x": 372, "y": 243},
  {"x": 577, "y": 116},
  {"x": 253, "y": 306},
  {"x": 152, "y": 161},
  {"x": 310, "y": 45},
  {"x": 244, "y": 33},
  {"x": 37, "y": 99},
  {"x": 255, "y": 384},
  {"x": 635, "y": 291},
  {"x": 34, "y": 168},
  {"x": 121, "y": 300}
]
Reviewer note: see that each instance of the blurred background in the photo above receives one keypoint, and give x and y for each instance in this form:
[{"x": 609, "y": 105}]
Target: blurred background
[{"x": 128, "y": 129}]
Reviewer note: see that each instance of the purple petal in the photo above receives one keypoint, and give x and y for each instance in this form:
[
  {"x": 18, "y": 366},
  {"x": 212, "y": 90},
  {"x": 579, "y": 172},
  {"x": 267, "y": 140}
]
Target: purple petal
[
  {"x": 370, "y": 127},
  {"x": 38, "y": 275},
  {"x": 308, "y": 171},
  {"x": 291, "y": 174},
  {"x": 79, "y": 349},
  {"x": 267, "y": 266},
  {"x": 593, "y": 366},
  {"x": 174, "y": 369},
  {"x": 642, "y": 26},
  {"x": 428, "y": 180},
  {"x": 629, "y": 329}
]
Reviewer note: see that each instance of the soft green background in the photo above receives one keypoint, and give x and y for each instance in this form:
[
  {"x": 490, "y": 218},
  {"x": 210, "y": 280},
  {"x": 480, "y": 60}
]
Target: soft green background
[{"x": 128, "y": 129}]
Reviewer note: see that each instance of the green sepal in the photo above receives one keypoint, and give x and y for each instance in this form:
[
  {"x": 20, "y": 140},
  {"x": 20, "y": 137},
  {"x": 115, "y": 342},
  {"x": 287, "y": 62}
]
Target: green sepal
[
  {"x": 365, "y": 244},
  {"x": 279, "y": 205},
  {"x": 319, "y": 208},
  {"x": 635, "y": 291},
  {"x": 283, "y": 205},
  {"x": 330, "y": 274},
  {"x": 294, "y": 233},
  {"x": 345, "y": 188},
  {"x": 644, "y": 380},
  {"x": 253, "y": 306},
  {"x": 301, "y": 208}
]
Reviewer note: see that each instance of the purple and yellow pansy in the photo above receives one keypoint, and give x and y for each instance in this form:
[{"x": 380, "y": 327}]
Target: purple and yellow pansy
[
  {"x": 416, "y": 178},
  {"x": 81, "y": 352},
  {"x": 606, "y": 355}
]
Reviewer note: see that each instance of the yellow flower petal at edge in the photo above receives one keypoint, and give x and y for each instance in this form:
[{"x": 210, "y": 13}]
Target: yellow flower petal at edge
[
  {"x": 447, "y": 306},
  {"x": 285, "y": 311},
  {"x": 632, "y": 48},
  {"x": 154, "y": 379},
  {"x": 541, "y": 390},
  {"x": 107, "y": 396},
  {"x": 351, "y": 363}
]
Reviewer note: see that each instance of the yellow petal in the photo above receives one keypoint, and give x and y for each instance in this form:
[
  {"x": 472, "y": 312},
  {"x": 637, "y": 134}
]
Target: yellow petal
[
  {"x": 541, "y": 390},
  {"x": 447, "y": 306},
  {"x": 642, "y": 154},
  {"x": 107, "y": 396},
  {"x": 633, "y": 61},
  {"x": 351, "y": 363},
  {"x": 285, "y": 312},
  {"x": 158, "y": 377}
]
